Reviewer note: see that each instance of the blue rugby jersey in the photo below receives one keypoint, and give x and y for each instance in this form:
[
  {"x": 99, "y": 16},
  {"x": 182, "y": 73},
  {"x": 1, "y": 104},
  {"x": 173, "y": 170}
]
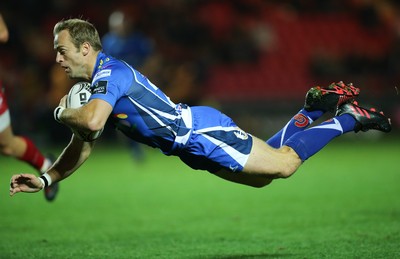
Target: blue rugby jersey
[{"x": 140, "y": 109}]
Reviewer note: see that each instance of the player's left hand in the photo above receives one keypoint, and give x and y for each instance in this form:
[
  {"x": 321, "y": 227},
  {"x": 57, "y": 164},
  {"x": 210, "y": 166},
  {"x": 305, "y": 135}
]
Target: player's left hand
[
  {"x": 24, "y": 183},
  {"x": 63, "y": 101}
]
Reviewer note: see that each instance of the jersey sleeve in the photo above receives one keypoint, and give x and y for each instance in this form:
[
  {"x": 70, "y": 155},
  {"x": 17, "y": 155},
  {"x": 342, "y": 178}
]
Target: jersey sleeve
[{"x": 111, "y": 83}]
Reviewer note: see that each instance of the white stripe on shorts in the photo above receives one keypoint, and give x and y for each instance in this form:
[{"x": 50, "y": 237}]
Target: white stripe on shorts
[{"x": 5, "y": 120}]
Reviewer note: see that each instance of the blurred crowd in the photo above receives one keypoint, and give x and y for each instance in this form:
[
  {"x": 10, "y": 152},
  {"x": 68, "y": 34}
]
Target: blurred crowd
[{"x": 176, "y": 43}]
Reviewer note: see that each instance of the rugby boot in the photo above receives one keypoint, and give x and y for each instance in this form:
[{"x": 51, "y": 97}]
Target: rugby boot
[
  {"x": 50, "y": 192},
  {"x": 366, "y": 119},
  {"x": 329, "y": 98}
]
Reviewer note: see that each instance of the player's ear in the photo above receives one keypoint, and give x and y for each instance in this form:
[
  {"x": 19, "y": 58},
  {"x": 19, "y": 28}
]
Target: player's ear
[{"x": 85, "y": 48}]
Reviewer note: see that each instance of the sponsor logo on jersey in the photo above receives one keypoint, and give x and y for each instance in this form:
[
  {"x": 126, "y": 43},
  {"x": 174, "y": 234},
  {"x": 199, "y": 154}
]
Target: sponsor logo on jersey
[
  {"x": 100, "y": 87},
  {"x": 102, "y": 62},
  {"x": 102, "y": 74},
  {"x": 241, "y": 134}
]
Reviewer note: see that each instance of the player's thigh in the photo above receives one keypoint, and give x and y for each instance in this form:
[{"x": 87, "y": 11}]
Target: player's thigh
[
  {"x": 276, "y": 163},
  {"x": 9, "y": 144},
  {"x": 264, "y": 165}
]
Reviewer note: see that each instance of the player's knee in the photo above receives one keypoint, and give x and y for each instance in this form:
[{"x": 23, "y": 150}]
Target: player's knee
[
  {"x": 287, "y": 171},
  {"x": 290, "y": 163}
]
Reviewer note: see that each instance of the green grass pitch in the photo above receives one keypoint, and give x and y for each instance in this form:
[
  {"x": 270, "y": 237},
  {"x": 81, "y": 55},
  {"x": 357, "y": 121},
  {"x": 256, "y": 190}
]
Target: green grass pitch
[{"x": 342, "y": 203}]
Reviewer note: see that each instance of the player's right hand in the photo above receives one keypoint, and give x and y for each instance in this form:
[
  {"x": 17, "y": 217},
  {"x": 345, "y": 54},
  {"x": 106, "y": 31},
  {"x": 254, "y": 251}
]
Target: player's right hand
[
  {"x": 25, "y": 183},
  {"x": 63, "y": 101}
]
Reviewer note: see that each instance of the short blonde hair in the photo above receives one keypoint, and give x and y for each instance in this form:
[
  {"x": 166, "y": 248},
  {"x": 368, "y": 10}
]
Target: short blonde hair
[{"x": 80, "y": 31}]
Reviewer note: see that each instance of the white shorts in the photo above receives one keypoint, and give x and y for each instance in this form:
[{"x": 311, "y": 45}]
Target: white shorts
[{"x": 5, "y": 120}]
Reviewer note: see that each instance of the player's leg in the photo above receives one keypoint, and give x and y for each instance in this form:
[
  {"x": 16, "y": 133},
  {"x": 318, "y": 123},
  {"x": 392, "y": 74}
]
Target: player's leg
[
  {"x": 349, "y": 117},
  {"x": 298, "y": 122},
  {"x": 318, "y": 101},
  {"x": 19, "y": 147},
  {"x": 22, "y": 148},
  {"x": 312, "y": 140},
  {"x": 15, "y": 146},
  {"x": 9, "y": 147},
  {"x": 218, "y": 142},
  {"x": 266, "y": 163}
]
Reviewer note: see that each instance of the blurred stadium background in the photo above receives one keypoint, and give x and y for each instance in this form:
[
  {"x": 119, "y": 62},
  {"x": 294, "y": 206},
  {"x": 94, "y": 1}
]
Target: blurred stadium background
[{"x": 254, "y": 60}]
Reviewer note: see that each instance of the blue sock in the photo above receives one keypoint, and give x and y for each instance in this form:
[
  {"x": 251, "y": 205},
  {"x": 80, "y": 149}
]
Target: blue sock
[
  {"x": 308, "y": 142},
  {"x": 299, "y": 122}
]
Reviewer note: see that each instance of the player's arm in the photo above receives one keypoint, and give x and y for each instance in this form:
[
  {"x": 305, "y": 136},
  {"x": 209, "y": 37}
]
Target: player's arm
[
  {"x": 90, "y": 117},
  {"x": 72, "y": 157}
]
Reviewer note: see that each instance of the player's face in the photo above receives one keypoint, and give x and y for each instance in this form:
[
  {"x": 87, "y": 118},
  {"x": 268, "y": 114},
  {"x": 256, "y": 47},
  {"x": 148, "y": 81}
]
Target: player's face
[{"x": 68, "y": 56}]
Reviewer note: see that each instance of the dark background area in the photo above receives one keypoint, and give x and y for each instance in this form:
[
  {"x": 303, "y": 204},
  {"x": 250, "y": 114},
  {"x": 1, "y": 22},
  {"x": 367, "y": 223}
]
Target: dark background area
[{"x": 253, "y": 59}]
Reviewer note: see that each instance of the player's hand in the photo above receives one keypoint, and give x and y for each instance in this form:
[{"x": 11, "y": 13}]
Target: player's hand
[
  {"x": 63, "y": 101},
  {"x": 25, "y": 183},
  {"x": 60, "y": 108}
]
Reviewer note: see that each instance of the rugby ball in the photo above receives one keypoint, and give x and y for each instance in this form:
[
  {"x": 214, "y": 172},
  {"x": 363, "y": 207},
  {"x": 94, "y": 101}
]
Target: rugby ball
[{"x": 78, "y": 96}]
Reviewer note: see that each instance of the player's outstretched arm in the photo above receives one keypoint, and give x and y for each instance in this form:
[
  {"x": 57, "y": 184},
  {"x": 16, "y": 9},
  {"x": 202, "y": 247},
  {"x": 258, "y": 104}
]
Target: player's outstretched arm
[
  {"x": 25, "y": 183},
  {"x": 72, "y": 157}
]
